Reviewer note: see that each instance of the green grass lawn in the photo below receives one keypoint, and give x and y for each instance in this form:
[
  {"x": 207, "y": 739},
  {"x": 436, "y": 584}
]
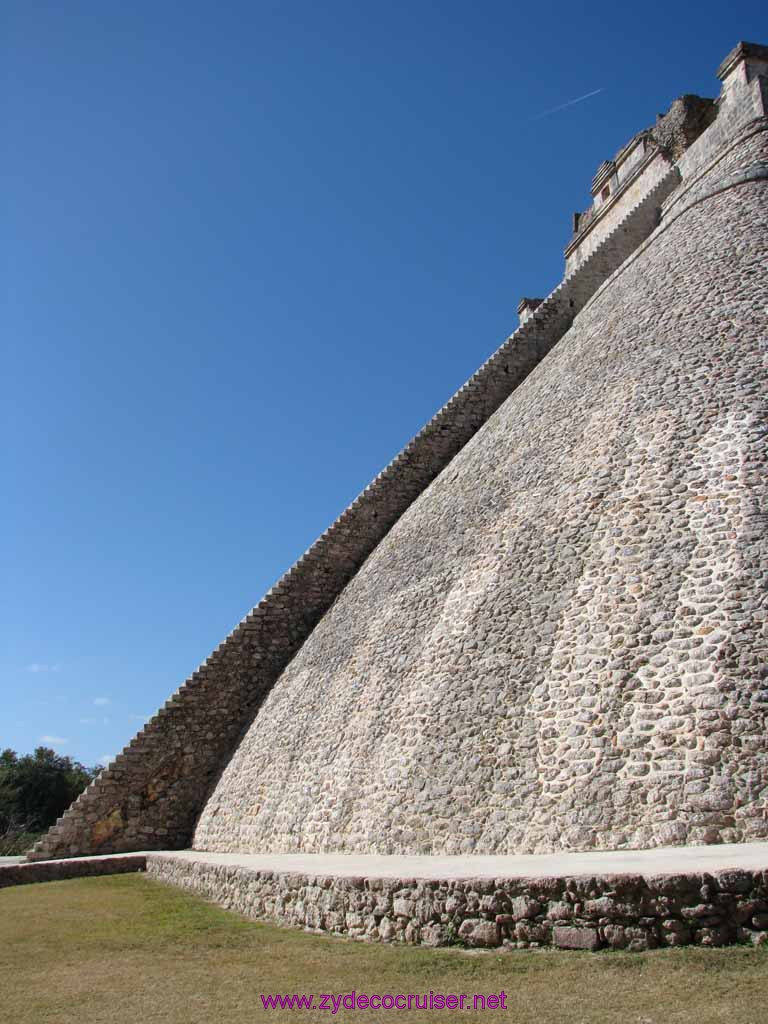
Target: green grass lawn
[{"x": 125, "y": 948}]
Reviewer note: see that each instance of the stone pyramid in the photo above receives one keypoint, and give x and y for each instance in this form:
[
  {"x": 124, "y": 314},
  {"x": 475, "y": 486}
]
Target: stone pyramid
[{"x": 543, "y": 626}]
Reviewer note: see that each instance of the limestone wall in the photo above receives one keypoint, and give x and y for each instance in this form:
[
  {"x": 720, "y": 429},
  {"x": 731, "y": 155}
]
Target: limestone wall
[
  {"x": 150, "y": 797},
  {"x": 614, "y": 911},
  {"x": 79, "y": 867},
  {"x": 743, "y": 98},
  {"x": 562, "y": 643}
]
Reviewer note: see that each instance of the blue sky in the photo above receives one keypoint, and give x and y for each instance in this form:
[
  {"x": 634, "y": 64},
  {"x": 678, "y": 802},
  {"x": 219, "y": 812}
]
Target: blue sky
[{"x": 249, "y": 249}]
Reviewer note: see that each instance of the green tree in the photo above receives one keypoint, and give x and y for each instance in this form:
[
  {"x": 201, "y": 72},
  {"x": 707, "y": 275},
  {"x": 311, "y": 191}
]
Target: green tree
[{"x": 37, "y": 788}]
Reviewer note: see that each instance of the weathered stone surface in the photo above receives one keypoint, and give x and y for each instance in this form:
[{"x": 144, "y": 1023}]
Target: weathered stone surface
[
  {"x": 524, "y": 907},
  {"x": 447, "y": 911},
  {"x": 479, "y": 933},
  {"x": 542, "y": 626},
  {"x": 80, "y": 867},
  {"x": 567, "y": 937},
  {"x": 631, "y": 937},
  {"x": 566, "y": 624}
]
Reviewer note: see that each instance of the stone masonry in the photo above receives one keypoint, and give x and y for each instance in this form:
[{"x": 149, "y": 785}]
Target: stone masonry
[
  {"x": 543, "y": 625},
  {"x": 632, "y": 912},
  {"x": 562, "y": 643},
  {"x": 569, "y": 908}
]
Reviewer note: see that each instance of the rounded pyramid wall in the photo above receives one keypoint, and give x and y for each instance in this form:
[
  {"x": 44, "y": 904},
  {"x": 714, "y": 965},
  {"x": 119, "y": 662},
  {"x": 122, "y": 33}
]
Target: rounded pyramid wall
[{"x": 562, "y": 643}]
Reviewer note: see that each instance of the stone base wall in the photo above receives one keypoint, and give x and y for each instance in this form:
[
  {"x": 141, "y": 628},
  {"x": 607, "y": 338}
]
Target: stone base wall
[
  {"x": 80, "y": 867},
  {"x": 614, "y": 911}
]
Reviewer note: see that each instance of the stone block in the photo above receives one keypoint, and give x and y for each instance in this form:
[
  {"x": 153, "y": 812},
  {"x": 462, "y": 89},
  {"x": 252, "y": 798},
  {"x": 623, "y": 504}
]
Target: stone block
[
  {"x": 479, "y": 933},
  {"x": 524, "y": 907},
  {"x": 569, "y": 937}
]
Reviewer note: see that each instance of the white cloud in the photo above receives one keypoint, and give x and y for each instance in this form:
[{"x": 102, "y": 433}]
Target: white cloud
[
  {"x": 106, "y": 759},
  {"x": 41, "y": 666},
  {"x": 101, "y": 701},
  {"x": 54, "y": 741}
]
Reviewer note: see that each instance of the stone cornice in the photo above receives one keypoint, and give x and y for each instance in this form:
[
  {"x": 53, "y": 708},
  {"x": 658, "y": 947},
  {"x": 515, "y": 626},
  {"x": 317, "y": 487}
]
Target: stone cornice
[{"x": 742, "y": 51}]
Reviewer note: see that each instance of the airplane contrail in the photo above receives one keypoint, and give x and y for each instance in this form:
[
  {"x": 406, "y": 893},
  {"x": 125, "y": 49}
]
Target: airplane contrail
[{"x": 570, "y": 103}]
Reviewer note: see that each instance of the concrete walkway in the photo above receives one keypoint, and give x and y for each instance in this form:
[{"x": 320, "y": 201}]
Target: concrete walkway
[{"x": 664, "y": 860}]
